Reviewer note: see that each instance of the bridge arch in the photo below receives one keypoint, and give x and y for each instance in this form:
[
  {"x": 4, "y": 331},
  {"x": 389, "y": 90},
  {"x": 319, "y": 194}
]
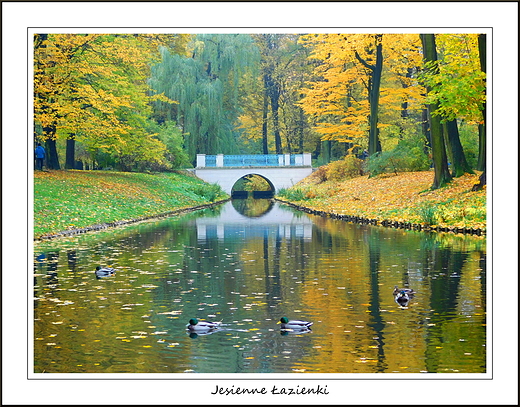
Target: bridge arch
[
  {"x": 269, "y": 193},
  {"x": 278, "y": 177}
]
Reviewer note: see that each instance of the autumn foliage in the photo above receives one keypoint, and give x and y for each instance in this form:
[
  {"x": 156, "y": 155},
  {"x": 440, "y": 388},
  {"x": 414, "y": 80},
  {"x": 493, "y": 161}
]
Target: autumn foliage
[{"x": 402, "y": 198}]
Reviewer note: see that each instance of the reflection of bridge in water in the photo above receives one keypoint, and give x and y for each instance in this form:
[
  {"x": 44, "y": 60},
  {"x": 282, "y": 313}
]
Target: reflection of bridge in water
[{"x": 277, "y": 221}]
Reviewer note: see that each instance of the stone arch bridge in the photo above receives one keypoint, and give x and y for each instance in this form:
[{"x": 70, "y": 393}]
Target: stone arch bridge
[{"x": 279, "y": 170}]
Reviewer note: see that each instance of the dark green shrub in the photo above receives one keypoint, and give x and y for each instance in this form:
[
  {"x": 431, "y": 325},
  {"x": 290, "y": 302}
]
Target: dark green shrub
[
  {"x": 210, "y": 192},
  {"x": 470, "y": 143},
  {"x": 403, "y": 158}
]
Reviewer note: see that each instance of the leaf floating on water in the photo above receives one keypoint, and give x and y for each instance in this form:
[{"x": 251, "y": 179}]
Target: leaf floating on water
[{"x": 170, "y": 313}]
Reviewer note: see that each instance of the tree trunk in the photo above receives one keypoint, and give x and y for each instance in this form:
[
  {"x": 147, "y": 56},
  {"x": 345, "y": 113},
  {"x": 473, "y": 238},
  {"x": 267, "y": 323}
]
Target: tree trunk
[
  {"x": 482, "y": 129},
  {"x": 459, "y": 164},
  {"x": 404, "y": 105},
  {"x": 51, "y": 155},
  {"x": 326, "y": 151},
  {"x": 70, "y": 154},
  {"x": 449, "y": 153},
  {"x": 440, "y": 161},
  {"x": 481, "y": 164},
  {"x": 301, "y": 130},
  {"x": 374, "y": 144},
  {"x": 265, "y": 145},
  {"x": 426, "y": 128},
  {"x": 275, "y": 96}
]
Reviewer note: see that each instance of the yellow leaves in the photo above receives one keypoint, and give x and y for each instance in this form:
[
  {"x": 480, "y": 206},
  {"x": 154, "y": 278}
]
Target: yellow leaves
[
  {"x": 397, "y": 197},
  {"x": 95, "y": 86},
  {"x": 339, "y": 94},
  {"x": 161, "y": 97}
]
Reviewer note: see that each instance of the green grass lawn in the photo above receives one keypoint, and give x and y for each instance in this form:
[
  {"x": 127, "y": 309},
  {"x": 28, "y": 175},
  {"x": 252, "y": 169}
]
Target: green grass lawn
[{"x": 75, "y": 199}]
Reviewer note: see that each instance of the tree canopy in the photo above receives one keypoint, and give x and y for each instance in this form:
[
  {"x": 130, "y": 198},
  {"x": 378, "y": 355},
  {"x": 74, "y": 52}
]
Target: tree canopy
[{"x": 139, "y": 101}]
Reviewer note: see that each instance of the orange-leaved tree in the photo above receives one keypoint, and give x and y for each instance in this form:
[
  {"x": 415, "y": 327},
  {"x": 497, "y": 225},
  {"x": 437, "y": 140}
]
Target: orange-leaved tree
[{"x": 356, "y": 77}]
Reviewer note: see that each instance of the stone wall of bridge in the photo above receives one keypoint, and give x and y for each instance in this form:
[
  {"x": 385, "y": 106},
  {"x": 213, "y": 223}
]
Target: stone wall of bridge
[{"x": 278, "y": 177}]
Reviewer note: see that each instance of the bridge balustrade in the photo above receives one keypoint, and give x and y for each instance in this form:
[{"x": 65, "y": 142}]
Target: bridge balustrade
[{"x": 253, "y": 160}]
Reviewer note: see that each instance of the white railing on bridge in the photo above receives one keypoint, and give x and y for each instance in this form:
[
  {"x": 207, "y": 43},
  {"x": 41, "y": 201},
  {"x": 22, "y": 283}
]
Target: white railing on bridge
[{"x": 254, "y": 160}]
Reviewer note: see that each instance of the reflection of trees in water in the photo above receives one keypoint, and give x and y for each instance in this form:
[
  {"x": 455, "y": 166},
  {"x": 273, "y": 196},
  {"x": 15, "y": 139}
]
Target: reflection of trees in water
[
  {"x": 252, "y": 208},
  {"x": 432, "y": 264},
  {"x": 277, "y": 273},
  {"x": 377, "y": 322}
]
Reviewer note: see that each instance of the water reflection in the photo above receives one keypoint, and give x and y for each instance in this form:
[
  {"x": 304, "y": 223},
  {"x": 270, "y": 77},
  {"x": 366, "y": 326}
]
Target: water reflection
[
  {"x": 252, "y": 208},
  {"x": 248, "y": 271},
  {"x": 253, "y": 218}
]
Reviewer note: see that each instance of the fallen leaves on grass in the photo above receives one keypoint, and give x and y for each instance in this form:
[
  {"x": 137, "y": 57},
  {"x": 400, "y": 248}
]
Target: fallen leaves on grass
[
  {"x": 401, "y": 198},
  {"x": 75, "y": 199}
]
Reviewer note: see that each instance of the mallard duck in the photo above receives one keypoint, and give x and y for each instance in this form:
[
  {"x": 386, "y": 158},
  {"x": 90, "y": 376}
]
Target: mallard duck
[
  {"x": 398, "y": 290},
  {"x": 285, "y": 332},
  {"x": 196, "y": 325},
  {"x": 294, "y": 324},
  {"x": 104, "y": 272},
  {"x": 403, "y": 298}
]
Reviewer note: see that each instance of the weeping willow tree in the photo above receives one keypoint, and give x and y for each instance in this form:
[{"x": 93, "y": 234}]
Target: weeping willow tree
[{"x": 205, "y": 86}]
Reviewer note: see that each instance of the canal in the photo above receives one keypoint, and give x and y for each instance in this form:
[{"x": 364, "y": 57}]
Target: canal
[{"x": 248, "y": 263}]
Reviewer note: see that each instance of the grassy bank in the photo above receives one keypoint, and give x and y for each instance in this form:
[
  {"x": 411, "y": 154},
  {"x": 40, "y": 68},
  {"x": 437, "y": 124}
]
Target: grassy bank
[
  {"x": 67, "y": 200},
  {"x": 405, "y": 197}
]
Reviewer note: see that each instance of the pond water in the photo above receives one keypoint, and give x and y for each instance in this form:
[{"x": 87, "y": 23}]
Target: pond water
[{"x": 247, "y": 263}]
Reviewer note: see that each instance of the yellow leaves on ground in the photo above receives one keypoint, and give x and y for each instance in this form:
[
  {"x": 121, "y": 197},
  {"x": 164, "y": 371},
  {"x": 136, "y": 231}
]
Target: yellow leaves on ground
[{"x": 399, "y": 198}]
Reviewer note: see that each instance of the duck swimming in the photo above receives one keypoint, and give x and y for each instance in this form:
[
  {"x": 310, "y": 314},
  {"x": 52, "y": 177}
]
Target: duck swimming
[
  {"x": 294, "y": 324},
  {"x": 196, "y": 325},
  {"x": 398, "y": 290},
  {"x": 403, "y": 298},
  {"x": 104, "y": 272}
]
